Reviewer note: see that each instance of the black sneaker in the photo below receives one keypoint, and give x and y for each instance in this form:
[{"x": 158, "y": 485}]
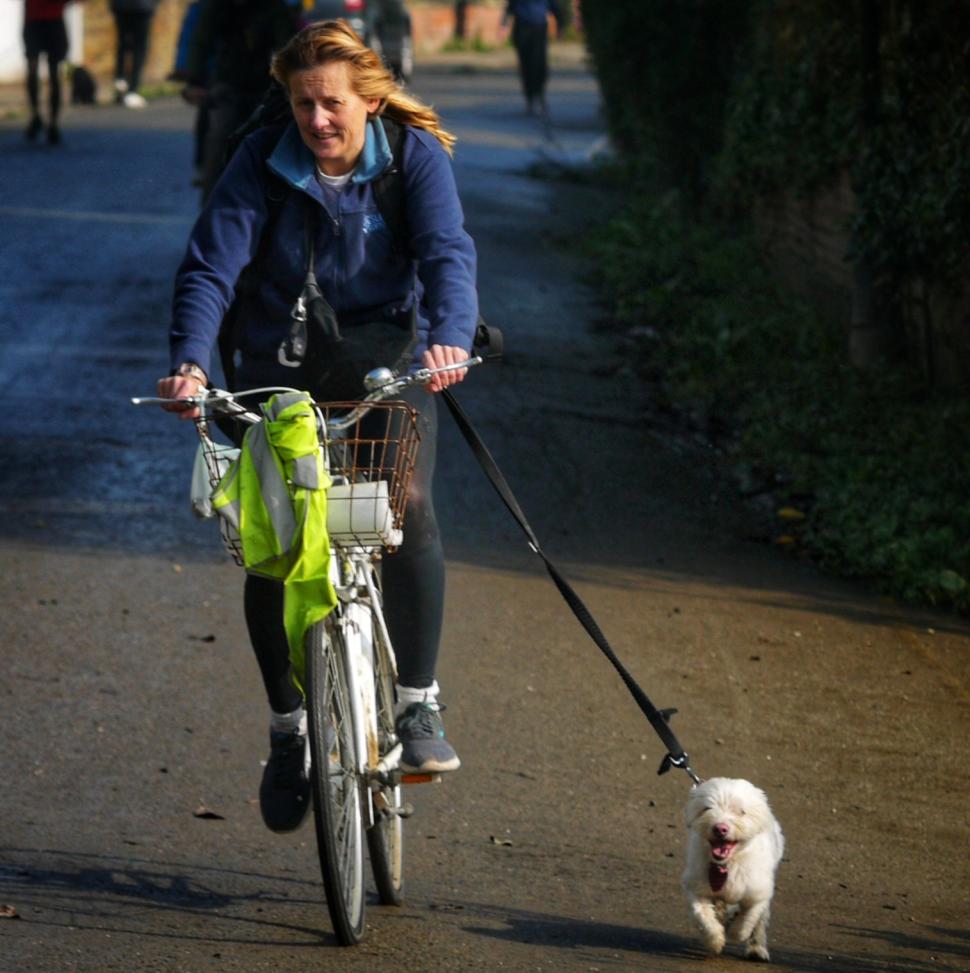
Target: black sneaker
[
  {"x": 426, "y": 751},
  {"x": 284, "y": 794},
  {"x": 35, "y": 127}
]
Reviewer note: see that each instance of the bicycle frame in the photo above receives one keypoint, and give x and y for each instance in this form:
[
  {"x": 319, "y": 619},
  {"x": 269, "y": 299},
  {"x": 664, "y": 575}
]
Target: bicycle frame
[{"x": 353, "y": 643}]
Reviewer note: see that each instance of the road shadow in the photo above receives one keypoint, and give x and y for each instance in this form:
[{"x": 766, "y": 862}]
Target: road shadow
[
  {"x": 132, "y": 895},
  {"x": 569, "y": 933}
]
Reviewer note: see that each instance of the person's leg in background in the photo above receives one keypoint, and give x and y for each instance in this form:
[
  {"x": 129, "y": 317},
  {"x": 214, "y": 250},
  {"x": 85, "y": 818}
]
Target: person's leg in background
[
  {"x": 33, "y": 96},
  {"x": 530, "y": 46},
  {"x": 141, "y": 23},
  {"x": 56, "y": 54},
  {"x": 133, "y": 30},
  {"x": 121, "y": 54}
]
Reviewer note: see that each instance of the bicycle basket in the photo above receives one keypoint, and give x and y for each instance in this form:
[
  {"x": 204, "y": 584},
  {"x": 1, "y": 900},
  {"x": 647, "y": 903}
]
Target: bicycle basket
[
  {"x": 371, "y": 464},
  {"x": 212, "y": 460}
]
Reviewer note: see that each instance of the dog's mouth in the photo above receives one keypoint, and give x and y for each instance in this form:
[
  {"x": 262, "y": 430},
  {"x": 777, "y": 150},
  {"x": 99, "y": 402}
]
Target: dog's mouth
[{"x": 722, "y": 850}]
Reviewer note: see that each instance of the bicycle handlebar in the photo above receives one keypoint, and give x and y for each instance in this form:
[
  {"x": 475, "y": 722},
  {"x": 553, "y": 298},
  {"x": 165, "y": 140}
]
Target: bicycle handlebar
[{"x": 381, "y": 384}]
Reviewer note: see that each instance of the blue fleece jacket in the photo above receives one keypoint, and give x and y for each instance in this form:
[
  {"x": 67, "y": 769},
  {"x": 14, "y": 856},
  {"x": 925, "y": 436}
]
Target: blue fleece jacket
[{"x": 360, "y": 271}]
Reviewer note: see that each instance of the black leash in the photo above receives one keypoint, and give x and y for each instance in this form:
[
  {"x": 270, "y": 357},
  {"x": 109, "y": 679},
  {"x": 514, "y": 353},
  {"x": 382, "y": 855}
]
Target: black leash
[{"x": 659, "y": 719}]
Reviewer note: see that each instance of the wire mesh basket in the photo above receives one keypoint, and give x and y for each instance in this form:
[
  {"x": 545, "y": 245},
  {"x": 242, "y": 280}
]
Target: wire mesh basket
[
  {"x": 371, "y": 464},
  {"x": 212, "y": 462}
]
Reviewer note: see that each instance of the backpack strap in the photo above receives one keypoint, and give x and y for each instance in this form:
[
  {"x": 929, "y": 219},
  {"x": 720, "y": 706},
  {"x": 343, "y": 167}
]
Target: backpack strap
[
  {"x": 389, "y": 191},
  {"x": 277, "y": 191}
]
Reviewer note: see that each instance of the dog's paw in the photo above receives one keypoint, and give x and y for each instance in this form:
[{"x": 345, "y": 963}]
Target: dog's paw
[
  {"x": 757, "y": 952},
  {"x": 714, "y": 941}
]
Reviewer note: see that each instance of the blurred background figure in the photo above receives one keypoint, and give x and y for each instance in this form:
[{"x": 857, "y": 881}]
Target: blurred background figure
[
  {"x": 227, "y": 69},
  {"x": 530, "y": 35},
  {"x": 44, "y": 33},
  {"x": 180, "y": 72},
  {"x": 461, "y": 14},
  {"x": 133, "y": 19}
]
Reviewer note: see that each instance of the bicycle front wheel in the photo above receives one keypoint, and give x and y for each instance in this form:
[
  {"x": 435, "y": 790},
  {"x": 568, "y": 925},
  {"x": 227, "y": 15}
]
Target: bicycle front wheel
[
  {"x": 385, "y": 838},
  {"x": 333, "y": 776}
]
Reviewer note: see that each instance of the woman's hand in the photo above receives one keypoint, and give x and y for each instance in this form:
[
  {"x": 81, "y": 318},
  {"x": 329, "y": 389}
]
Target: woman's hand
[
  {"x": 437, "y": 356},
  {"x": 180, "y": 387}
]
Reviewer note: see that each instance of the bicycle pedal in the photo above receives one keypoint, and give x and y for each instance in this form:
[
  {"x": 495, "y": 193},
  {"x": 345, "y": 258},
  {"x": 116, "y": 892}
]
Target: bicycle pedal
[{"x": 421, "y": 778}]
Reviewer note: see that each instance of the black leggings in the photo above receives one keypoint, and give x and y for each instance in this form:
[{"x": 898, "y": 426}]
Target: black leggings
[
  {"x": 413, "y": 583},
  {"x": 48, "y": 37},
  {"x": 531, "y": 46},
  {"x": 133, "y": 28}
]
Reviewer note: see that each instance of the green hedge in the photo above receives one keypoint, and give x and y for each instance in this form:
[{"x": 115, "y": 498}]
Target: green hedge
[
  {"x": 877, "y": 465},
  {"x": 665, "y": 68}
]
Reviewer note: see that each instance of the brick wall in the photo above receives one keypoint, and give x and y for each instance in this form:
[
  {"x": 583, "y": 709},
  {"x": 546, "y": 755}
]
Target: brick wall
[{"x": 433, "y": 25}]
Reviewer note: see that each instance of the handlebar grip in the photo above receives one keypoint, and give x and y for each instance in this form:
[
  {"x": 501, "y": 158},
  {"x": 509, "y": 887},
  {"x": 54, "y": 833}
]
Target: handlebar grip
[{"x": 488, "y": 341}]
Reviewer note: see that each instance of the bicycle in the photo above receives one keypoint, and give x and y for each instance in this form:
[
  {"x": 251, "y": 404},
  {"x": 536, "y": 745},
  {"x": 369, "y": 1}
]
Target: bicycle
[{"x": 353, "y": 758}]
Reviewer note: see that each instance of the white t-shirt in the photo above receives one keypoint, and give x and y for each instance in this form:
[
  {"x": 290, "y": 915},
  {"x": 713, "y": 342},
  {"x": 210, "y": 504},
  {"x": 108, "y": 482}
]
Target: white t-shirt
[{"x": 335, "y": 183}]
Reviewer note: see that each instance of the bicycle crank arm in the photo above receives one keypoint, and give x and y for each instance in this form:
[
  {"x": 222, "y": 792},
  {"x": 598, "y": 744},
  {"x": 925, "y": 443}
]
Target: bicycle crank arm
[{"x": 388, "y": 810}]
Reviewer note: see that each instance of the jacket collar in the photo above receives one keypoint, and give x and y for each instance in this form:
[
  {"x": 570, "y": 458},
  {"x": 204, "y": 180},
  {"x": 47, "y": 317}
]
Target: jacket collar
[{"x": 293, "y": 162}]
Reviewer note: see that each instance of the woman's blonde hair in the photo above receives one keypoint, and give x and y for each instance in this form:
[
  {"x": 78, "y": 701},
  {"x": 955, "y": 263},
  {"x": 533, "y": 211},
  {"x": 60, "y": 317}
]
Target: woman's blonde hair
[{"x": 334, "y": 40}]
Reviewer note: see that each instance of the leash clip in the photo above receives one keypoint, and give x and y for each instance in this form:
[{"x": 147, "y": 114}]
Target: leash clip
[{"x": 681, "y": 762}]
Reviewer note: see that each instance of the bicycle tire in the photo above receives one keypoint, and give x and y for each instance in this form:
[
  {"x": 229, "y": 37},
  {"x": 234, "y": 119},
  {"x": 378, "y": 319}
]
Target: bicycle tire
[
  {"x": 333, "y": 776},
  {"x": 385, "y": 838}
]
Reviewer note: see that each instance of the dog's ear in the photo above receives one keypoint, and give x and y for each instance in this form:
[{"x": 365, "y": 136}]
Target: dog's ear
[{"x": 695, "y": 807}]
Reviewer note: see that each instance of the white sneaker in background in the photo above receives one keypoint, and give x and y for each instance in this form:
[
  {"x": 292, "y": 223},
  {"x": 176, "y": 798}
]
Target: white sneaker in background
[{"x": 134, "y": 100}]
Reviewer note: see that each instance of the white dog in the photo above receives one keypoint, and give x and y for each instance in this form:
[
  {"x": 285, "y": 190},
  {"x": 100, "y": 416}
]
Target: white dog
[{"x": 734, "y": 846}]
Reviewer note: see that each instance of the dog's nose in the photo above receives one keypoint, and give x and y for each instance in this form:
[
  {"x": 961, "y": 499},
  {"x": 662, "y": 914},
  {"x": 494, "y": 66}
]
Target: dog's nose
[{"x": 721, "y": 830}]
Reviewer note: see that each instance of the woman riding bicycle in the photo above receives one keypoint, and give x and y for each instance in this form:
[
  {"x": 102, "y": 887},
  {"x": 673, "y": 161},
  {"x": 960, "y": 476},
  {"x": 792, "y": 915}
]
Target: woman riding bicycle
[{"x": 321, "y": 175}]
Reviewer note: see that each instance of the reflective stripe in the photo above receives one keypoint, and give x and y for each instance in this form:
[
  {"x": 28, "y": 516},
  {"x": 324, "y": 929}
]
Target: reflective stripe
[
  {"x": 272, "y": 486},
  {"x": 305, "y": 472},
  {"x": 225, "y": 497}
]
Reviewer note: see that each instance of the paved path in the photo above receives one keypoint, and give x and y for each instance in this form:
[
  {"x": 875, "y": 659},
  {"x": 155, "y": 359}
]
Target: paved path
[{"x": 129, "y": 698}]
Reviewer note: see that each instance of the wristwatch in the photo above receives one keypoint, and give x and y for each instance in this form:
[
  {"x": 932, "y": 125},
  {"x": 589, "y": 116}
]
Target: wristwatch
[{"x": 189, "y": 368}]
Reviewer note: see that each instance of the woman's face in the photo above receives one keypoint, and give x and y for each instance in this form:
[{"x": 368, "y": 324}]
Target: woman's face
[{"x": 331, "y": 116}]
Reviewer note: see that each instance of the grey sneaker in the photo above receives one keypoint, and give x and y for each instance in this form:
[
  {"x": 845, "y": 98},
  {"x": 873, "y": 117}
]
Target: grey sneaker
[
  {"x": 284, "y": 794},
  {"x": 426, "y": 751}
]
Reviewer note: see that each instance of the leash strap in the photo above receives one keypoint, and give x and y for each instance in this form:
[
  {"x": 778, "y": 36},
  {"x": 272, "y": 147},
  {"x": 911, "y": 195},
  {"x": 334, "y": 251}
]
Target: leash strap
[{"x": 659, "y": 719}]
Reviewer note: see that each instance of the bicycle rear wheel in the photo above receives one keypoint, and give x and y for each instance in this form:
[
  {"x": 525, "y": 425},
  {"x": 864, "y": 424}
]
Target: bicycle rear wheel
[
  {"x": 385, "y": 838},
  {"x": 333, "y": 776}
]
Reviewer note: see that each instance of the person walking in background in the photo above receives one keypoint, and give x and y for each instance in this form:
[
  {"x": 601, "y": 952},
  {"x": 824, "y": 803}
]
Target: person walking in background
[
  {"x": 133, "y": 19},
  {"x": 530, "y": 35},
  {"x": 44, "y": 33},
  {"x": 180, "y": 72},
  {"x": 227, "y": 68}
]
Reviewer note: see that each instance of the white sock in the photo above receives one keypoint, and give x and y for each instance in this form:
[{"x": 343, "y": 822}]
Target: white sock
[
  {"x": 406, "y": 695},
  {"x": 288, "y": 722}
]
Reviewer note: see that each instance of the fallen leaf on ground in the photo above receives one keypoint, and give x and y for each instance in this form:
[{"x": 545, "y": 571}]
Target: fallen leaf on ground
[{"x": 203, "y": 812}]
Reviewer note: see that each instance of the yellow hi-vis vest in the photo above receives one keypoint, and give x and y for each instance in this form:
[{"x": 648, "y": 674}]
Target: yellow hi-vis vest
[{"x": 275, "y": 495}]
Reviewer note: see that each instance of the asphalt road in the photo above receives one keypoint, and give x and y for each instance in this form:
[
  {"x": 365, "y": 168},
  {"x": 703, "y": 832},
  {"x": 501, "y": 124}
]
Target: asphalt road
[{"x": 130, "y": 702}]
